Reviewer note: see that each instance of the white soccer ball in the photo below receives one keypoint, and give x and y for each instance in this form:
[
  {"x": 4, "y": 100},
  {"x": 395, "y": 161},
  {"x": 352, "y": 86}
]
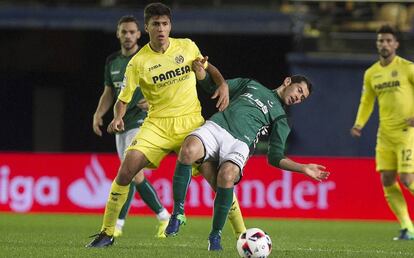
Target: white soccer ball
[{"x": 254, "y": 243}]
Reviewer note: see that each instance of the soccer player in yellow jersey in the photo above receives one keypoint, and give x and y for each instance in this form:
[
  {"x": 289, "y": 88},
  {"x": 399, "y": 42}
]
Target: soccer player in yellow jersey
[
  {"x": 163, "y": 71},
  {"x": 391, "y": 81}
]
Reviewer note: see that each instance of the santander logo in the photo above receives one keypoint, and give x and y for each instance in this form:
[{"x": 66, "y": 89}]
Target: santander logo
[{"x": 91, "y": 191}]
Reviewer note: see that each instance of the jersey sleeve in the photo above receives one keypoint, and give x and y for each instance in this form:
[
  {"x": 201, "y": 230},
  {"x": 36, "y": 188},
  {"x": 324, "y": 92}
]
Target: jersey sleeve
[
  {"x": 107, "y": 75},
  {"x": 277, "y": 141},
  {"x": 130, "y": 83},
  {"x": 366, "y": 105}
]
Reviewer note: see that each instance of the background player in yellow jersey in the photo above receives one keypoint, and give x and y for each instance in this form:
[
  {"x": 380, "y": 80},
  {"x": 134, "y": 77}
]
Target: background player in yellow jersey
[
  {"x": 128, "y": 34},
  {"x": 162, "y": 70},
  {"x": 391, "y": 81}
]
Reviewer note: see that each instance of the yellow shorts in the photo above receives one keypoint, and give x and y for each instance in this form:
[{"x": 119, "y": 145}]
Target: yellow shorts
[
  {"x": 396, "y": 153},
  {"x": 157, "y": 137}
]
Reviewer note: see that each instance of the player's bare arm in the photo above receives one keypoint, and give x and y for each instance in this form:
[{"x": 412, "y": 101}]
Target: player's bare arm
[
  {"x": 104, "y": 104},
  {"x": 315, "y": 171},
  {"x": 222, "y": 91},
  {"x": 117, "y": 124}
]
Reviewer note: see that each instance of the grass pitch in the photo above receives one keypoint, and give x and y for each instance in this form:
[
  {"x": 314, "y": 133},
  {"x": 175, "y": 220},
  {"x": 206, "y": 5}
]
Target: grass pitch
[{"x": 42, "y": 235}]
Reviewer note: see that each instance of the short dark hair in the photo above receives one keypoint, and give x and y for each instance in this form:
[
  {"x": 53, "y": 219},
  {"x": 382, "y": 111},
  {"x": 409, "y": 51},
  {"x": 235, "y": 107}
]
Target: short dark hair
[
  {"x": 128, "y": 18},
  {"x": 297, "y": 78},
  {"x": 388, "y": 29},
  {"x": 156, "y": 9}
]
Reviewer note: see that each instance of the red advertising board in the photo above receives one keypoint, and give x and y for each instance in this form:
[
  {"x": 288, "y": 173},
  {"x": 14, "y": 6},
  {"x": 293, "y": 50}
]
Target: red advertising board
[{"x": 79, "y": 183}]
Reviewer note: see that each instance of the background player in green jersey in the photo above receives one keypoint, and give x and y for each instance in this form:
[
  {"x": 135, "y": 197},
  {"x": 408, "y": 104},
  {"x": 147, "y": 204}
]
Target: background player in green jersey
[
  {"x": 128, "y": 34},
  {"x": 391, "y": 81},
  {"x": 227, "y": 137}
]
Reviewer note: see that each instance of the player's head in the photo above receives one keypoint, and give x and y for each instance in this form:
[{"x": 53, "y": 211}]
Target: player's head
[
  {"x": 157, "y": 18},
  {"x": 128, "y": 32},
  {"x": 294, "y": 89},
  {"x": 387, "y": 42}
]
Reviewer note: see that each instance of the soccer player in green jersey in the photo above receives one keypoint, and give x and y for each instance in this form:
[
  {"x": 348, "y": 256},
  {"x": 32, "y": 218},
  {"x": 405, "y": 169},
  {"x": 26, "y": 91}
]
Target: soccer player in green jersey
[
  {"x": 162, "y": 69},
  {"x": 228, "y": 137},
  {"x": 391, "y": 81},
  {"x": 128, "y": 34}
]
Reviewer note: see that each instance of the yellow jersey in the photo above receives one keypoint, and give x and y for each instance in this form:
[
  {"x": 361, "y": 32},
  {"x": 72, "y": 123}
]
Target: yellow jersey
[
  {"x": 393, "y": 86},
  {"x": 166, "y": 79}
]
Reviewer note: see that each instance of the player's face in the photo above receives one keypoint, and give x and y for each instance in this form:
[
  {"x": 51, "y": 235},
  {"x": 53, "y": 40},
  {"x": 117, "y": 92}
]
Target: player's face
[
  {"x": 128, "y": 34},
  {"x": 295, "y": 93},
  {"x": 159, "y": 28},
  {"x": 386, "y": 44}
]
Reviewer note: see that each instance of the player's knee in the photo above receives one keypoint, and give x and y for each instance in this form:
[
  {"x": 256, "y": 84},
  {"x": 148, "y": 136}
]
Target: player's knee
[
  {"x": 406, "y": 179},
  {"x": 190, "y": 152},
  {"x": 228, "y": 174},
  {"x": 388, "y": 178}
]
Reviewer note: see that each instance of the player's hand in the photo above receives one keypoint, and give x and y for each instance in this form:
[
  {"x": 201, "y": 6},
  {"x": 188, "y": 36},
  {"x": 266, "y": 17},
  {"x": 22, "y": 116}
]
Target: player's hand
[
  {"x": 222, "y": 93},
  {"x": 356, "y": 132},
  {"x": 96, "y": 124},
  {"x": 410, "y": 121},
  {"x": 315, "y": 171},
  {"x": 116, "y": 126},
  {"x": 143, "y": 104},
  {"x": 198, "y": 67}
]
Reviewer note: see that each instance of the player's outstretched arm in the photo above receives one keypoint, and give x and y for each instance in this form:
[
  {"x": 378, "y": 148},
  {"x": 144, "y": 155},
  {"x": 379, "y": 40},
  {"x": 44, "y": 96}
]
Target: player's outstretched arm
[{"x": 315, "y": 171}]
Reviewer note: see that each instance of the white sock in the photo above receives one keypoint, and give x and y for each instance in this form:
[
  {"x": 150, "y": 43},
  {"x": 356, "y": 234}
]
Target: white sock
[
  {"x": 163, "y": 215},
  {"x": 120, "y": 223}
]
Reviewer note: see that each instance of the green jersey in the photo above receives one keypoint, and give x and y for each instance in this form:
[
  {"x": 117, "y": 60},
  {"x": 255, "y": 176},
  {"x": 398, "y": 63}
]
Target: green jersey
[
  {"x": 115, "y": 67},
  {"x": 254, "y": 110}
]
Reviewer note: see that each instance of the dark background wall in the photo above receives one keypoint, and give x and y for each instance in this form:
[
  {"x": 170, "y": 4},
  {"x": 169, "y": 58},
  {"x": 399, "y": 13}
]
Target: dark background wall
[{"x": 52, "y": 80}]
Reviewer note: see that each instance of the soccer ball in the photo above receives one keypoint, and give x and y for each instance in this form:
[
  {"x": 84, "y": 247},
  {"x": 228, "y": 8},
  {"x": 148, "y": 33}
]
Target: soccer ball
[{"x": 254, "y": 243}]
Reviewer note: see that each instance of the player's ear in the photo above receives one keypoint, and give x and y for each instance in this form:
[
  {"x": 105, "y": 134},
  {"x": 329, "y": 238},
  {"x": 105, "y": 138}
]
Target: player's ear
[
  {"x": 117, "y": 34},
  {"x": 287, "y": 81},
  {"x": 138, "y": 34},
  {"x": 146, "y": 28}
]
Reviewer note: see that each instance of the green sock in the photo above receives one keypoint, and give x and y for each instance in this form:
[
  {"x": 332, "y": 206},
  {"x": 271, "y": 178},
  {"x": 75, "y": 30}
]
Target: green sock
[
  {"x": 222, "y": 204},
  {"x": 149, "y": 196},
  {"x": 125, "y": 208},
  {"x": 181, "y": 180}
]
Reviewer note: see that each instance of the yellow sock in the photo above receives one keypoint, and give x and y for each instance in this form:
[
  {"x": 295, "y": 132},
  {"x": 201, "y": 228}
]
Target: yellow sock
[
  {"x": 235, "y": 217},
  {"x": 116, "y": 199},
  {"x": 396, "y": 201}
]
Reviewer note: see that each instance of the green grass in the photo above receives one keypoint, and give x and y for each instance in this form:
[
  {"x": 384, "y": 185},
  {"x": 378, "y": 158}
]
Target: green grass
[{"x": 41, "y": 235}]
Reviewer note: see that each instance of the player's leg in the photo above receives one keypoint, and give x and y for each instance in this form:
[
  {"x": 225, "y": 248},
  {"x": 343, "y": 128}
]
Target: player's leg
[
  {"x": 406, "y": 174},
  {"x": 209, "y": 171},
  {"x": 134, "y": 162},
  {"x": 122, "y": 141},
  {"x": 227, "y": 175},
  {"x": 233, "y": 156},
  {"x": 191, "y": 150},
  {"x": 387, "y": 160},
  {"x": 151, "y": 199}
]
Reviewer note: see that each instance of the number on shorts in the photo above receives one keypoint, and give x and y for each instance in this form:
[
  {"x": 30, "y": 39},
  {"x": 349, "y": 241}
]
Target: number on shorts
[{"x": 406, "y": 155}]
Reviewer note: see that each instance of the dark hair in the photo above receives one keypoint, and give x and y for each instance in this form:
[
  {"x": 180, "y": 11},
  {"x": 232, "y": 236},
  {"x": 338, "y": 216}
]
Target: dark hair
[
  {"x": 128, "y": 18},
  {"x": 156, "y": 9},
  {"x": 388, "y": 29},
  {"x": 300, "y": 78}
]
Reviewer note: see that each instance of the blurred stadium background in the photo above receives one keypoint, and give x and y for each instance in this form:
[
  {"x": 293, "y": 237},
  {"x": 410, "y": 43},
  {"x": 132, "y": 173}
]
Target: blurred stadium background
[{"x": 52, "y": 59}]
